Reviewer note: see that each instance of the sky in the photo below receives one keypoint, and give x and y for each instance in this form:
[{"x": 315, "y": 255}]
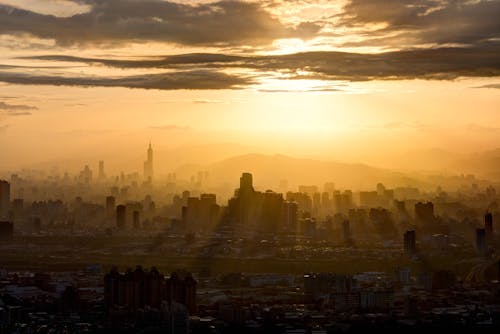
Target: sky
[{"x": 349, "y": 80}]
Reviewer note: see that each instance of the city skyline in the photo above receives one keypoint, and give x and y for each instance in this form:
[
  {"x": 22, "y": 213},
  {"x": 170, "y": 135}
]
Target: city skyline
[{"x": 249, "y": 166}]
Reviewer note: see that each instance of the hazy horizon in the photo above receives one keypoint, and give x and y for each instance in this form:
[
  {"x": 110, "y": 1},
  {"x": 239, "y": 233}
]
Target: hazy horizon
[{"x": 352, "y": 81}]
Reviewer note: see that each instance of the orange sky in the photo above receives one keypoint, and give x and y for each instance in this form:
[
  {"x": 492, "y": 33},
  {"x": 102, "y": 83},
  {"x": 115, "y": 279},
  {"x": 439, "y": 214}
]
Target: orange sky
[{"x": 348, "y": 80}]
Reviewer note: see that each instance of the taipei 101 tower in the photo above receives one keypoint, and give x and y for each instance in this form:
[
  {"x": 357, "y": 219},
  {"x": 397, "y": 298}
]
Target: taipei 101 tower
[{"x": 148, "y": 166}]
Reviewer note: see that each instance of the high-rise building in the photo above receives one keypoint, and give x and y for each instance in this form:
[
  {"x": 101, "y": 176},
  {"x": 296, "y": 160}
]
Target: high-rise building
[
  {"x": 110, "y": 206},
  {"x": 135, "y": 289},
  {"x": 101, "y": 174},
  {"x": 6, "y": 230},
  {"x": 424, "y": 213},
  {"x": 488, "y": 225},
  {"x": 246, "y": 183},
  {"x": 290, "y": 216},
  {"x": 410, "y": 242},
  {"x": 148, "y": 165},
  {"x": 346, "y": 229},
  {"x": 136, "y": 219},
  {"x": 86, "y": 175},
  {"x": 4, "y": 199},
  {"x": 121, "y": 216},
  {"x": 481, "y": 247}
]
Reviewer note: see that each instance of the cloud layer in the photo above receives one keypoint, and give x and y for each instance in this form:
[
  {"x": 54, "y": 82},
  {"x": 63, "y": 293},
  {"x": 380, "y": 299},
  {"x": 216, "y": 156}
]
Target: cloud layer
[
  {"x": 434, "y": 39},
  {"x": 120, "y": 21},
  {"x": 426, "y": 21},
  {"x": 164, "y": 81},
  {"x": 206, "y": 71}
]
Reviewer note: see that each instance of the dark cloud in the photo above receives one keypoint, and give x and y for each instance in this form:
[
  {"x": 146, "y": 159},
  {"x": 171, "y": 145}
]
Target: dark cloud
[
  {"x": 437, "y": 63},
  {"x": 119, "y": 21},
  {"x": 16, "y": 108},
  {"x": 427, "y": 21},
  {"x": 492, "y": 86},
  {"x": 164, "y": 81}
]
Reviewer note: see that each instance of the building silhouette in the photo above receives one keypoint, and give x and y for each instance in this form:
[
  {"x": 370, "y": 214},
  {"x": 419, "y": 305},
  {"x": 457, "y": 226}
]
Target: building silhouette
[
  {"x": 410, "y": 242},
  {"x": 290, "y": 216},
  {"x": 137, "y": 289},
  {"x": 101, "y": 174},
  {"x": 148, "y": 165},
  {"x": 136, "y": 221},
  {"x": 481, "y": 246},
  {"x": 85, "y": 175},
  {"x": 4, "y": 199},
  {"x": 6, "y": 230},
  {"x": 424, "y": 213},
  {"x": 346, "y": 231},
  {"x": 488, "y": 225},
  {"x": 110, "y": 206},
  {"x": 121, "y": 216}
]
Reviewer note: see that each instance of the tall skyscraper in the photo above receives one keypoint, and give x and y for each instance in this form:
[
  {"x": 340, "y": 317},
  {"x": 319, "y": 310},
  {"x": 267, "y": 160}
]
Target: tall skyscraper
[
  {"x": 246, "y": 183},
  {"x": 346, "y": 229},
  {"x": 424, "y": 213},
  {"x": 4, "y": 199},
  {"x": 410, "y": 242},
  {"x": 101, "y": 175},
  {"x": 481, "y": 247},
  {"x": 148, "y": 165},
  {"x": 110, "y": 206},
  {"x": 246, "y": 198},
  {"x": 121, "y": 211},
  {"x": 290, "y": 216},
  {"x": 488, "y": 225},
  {"x": 6, "y": 230}
]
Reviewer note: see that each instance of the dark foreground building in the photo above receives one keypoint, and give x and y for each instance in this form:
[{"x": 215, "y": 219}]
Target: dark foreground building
[{"x": 138, "y": 289}]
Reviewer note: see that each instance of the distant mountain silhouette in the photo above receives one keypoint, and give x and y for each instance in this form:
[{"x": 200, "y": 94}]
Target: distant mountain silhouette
[
  {"x": 484, "y": 165},
  {"x": 270, "y": 169}
]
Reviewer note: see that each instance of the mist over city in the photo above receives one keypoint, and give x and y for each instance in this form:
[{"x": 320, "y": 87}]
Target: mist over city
[{"x": 244, "y": 166}]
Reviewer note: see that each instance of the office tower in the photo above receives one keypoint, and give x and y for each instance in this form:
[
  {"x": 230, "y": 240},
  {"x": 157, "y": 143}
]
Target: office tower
[
  {"x": 208, "y": 210},
  {"x": 135, "y": 289},
  {"x": 245, "y": 200},
  {"x": 481, "y": 247},
  {"x": 325, "y": 201},
  {"x": 424, "y": 212},
  {"x": 86, "y": 175},
  {"x": 148, "y": 165},
  {"x": 488, "y": 224},
  {"x": 110, "y": 206},
  {"x": 6, "y": 230},
  {"x": 290, "y": 216},
  {"x": 4, "y": 199},
  {"x": 410, "y": 242},
  {"x": 346, "y": 229},
  {"x": 380, "y": 189},
  {"x": 192, "y": 213},
  {"x": 121, "y": 211},
  {"x": 246, "y": 183},
  {"x": 136, "y": 219},
  {"x": 400, "y": 206},
  {"x": 346, "y": 200},
  {"x": 101, "y": 175},
  {"x": 271, "y": 211},
  {"x": 316, "y": 203}
]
